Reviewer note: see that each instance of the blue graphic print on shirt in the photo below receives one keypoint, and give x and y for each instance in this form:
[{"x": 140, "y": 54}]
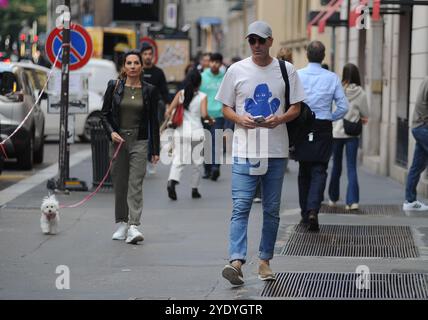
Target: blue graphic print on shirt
[{"x": 261, "y": 105}]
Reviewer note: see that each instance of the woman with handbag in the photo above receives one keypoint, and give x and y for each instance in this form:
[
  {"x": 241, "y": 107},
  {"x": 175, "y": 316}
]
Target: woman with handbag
[
  {"x": 129, "y": 116},
  {"x": 185, "y": 112},
  {"x": 346, "y": 133}
]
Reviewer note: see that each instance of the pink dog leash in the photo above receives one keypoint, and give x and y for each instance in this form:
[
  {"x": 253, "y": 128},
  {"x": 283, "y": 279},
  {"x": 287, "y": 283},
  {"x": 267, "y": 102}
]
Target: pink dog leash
[{"x": 87, "y": 198}]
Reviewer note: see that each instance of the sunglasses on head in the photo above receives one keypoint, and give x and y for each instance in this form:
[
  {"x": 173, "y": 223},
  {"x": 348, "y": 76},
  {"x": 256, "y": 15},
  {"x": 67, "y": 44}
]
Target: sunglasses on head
[{"x": 253, "y": 40}]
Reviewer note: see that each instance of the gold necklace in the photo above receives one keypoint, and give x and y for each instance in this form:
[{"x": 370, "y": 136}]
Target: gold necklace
[
  {"x": 133, "y": 89},
  {"x": 132, "y": 93}
]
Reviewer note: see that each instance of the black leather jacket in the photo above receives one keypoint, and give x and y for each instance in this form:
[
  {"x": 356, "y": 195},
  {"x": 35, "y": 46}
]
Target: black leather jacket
[{"x": 110, "y": 113}]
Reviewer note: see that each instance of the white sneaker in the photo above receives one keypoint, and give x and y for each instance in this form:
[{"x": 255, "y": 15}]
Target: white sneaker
[
  {"x": 134, "y": 235},
  {"x": 257, "y": 200},
  {"x": 151, "y": 168},
  {"x": 353, "y": 206},
  {"x": 415, "y": 206},
  {"x": 120, "y": 234},
  {"x": 331, "y": 203}
]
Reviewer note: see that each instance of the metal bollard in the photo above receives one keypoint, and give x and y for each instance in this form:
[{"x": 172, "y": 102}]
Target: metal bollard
[{"x": 100, "y": 155}]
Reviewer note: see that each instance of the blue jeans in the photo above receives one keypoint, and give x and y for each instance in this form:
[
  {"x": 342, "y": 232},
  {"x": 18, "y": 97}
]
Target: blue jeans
[
  {"x": 244, "y": 183},
  {"x": 420, "y": 161},
  {"x": 352, "y": 192}
]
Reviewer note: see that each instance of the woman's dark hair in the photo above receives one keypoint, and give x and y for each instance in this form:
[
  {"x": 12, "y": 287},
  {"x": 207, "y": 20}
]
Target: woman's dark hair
[
  {"x": 351, "y": 74},
  {"x": 191, "y": 83},
  {"x": 125, "y": 56}
]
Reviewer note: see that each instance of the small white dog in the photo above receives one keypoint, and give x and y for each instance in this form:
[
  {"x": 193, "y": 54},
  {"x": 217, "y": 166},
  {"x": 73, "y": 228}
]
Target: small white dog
[{"x": 50, "y": 215}]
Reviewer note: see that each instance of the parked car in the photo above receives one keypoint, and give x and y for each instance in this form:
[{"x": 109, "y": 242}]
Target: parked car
[
  {"x": 4, "y": 57},
  {"x": 100, "y": 71},
  {"x": 17, "y": 97}
]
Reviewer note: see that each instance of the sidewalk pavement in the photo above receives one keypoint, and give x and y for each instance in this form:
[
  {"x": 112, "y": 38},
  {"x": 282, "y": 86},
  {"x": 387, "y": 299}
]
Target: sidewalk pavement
[{"x": 185, "y": 246}]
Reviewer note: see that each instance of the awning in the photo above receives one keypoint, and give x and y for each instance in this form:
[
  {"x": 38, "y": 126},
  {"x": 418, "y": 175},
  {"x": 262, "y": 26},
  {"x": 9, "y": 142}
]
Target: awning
[
  {"x": 317, "y": 18},
  {"x": 376, "y": 9},
  {"x": 321, "y": 19},
  {"x": 330, "y": 10},
  {"x": 208, "y": 21}
]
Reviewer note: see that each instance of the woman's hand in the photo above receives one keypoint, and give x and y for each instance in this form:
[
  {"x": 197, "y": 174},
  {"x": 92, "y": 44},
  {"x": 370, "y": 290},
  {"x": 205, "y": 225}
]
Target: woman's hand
[
  {"x": 155, "y": 159},
  {"x": 116, "y": 137},
  {"x": 364, "y": 120}
]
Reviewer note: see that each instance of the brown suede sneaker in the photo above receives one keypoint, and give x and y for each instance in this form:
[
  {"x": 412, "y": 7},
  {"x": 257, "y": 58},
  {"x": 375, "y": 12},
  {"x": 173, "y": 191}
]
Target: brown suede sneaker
[
  {"x": 265, "y": 273},
  {"x": 233, "y": 275}
]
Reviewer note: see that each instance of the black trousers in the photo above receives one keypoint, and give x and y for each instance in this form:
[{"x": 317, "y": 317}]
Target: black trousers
[
  {"x": 313, "y": 154},
  {"x": 312, "y": 181}
]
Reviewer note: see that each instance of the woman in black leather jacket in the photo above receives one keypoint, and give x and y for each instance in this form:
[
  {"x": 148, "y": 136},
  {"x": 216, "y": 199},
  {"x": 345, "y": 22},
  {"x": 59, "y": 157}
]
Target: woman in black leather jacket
[{"x": 129, "y": 115}]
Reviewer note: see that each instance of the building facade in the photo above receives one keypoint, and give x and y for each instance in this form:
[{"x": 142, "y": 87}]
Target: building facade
[
  {"x": 207, "y": 19},
  {"x": 240, "y": 15},
  {"x": 391, "y": 53},
  {"x": 288, "y": 19}
]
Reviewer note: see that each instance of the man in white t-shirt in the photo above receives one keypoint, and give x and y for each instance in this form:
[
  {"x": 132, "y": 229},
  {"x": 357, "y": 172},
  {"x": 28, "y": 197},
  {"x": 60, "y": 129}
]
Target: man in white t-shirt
[{"x": 253, "y": 97}]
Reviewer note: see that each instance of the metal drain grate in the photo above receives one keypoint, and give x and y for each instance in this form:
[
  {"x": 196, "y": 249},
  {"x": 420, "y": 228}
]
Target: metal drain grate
[
  {"x": 343, "y": 286},
  {"x": 352, "y": 241},
  {"x": 374, "y": 210}
]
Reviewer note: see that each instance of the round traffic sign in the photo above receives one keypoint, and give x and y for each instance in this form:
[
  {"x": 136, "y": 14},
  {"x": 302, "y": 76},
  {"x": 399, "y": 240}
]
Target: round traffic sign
[
  {"x": 80, "y": 46},
  {"x": 152, "y": 43}
]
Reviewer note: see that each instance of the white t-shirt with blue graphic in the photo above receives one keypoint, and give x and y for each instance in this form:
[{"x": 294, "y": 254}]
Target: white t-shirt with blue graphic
[{"x": 251, "y": 89}]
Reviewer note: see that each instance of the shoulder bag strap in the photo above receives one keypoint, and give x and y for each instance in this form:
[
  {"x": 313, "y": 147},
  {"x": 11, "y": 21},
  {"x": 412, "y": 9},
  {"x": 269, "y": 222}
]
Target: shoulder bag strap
[
  {"x": 287, "y": 83},
  {"x": 181, "y": 97}
]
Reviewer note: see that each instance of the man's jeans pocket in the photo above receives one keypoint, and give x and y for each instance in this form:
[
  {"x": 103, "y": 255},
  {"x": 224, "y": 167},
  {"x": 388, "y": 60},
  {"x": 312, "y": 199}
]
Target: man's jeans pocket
[{"x": 251, "y": 166}]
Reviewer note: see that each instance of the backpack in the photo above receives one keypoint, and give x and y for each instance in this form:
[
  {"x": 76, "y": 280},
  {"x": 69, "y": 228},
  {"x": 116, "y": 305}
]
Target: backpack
[{"x": 298, "y": 128}]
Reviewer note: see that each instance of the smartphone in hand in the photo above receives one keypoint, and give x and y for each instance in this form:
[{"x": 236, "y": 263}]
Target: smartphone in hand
[{"x": 259, "y": 119}]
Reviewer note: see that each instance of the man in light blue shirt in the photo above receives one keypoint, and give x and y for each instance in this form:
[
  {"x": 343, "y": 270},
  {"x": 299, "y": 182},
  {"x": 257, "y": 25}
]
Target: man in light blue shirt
[{"x": 322, "y": 87}]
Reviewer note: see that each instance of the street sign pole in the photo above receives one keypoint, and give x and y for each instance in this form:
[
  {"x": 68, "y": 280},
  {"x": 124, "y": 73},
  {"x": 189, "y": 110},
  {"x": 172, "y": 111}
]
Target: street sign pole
[
  {"x": 64, "y": 147},
  {"x": 76, "y": 46}
]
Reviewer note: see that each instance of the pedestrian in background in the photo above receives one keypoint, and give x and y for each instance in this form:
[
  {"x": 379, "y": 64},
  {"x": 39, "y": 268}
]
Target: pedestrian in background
[
  {"x": 254, "y": 89},
  {"x": 129, "y": 115},
  {"x": 420, "y": 156},
  {"x": 204, "y": 62},
  {"x": 234, "y": 59},
  {"x": 285, "y": 54},
  {"x": 156, "y": 77},
  {"x": 358, "y": 110},
  {"x": 189, "y": 135},
  {"x": 322, "y": 87},
  {"x": 211, "y": 80}
]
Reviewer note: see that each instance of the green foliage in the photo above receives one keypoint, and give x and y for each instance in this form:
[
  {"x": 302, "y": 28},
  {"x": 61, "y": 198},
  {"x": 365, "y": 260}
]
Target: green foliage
[{"x": 22, "y": 13}]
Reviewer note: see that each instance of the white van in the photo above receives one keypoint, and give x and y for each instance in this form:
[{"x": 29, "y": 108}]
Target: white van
[{"x": 100, "y": 72}]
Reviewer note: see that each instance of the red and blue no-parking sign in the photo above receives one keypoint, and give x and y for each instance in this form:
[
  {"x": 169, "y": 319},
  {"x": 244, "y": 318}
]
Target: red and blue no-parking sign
[{"x": 80, "y": 46}]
